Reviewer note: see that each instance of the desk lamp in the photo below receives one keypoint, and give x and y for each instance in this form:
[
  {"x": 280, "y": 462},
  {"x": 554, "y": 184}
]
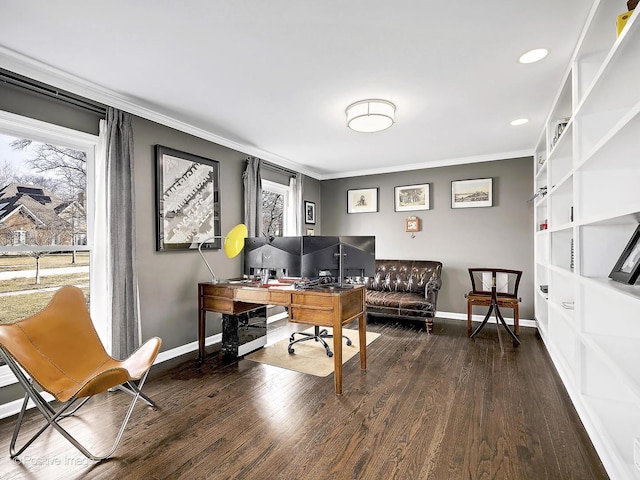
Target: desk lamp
[{"x": 233, "y": 245}]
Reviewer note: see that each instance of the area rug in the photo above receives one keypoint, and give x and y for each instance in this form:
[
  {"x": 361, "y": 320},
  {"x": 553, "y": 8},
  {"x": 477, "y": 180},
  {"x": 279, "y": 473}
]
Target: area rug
[{"x": 310, "y": 356}]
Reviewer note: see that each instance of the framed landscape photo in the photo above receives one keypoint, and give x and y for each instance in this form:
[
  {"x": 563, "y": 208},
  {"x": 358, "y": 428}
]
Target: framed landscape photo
[
  {"x": 363, "y": 200},
  {"x": 309, "y": 212},
  {"x": 472, "y": 193},
  {"x": 187, "y": 201},
  {"x": 627, "y": 268},
  {"x": 411, "y": 197}
]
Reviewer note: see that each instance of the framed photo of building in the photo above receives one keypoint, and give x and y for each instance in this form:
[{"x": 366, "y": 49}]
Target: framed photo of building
[
  {"x": 363, "y": 200},
  {"x": 472, "y": 193},
  {"x": 309, "y": 212},
  {"x": 411, "y": 197},
  {"x": 187, "y": 201}
]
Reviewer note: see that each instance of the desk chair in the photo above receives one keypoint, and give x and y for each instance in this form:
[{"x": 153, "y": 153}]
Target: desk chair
[
  {"x": 496, "y": 288},
  {"x": 59, "y": 350},
  {"x": 318, "y": 335}
]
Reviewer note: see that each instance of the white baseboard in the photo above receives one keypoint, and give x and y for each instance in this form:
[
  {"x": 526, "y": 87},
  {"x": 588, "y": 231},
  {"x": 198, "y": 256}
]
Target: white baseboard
[{"x": 524, "y": 322}]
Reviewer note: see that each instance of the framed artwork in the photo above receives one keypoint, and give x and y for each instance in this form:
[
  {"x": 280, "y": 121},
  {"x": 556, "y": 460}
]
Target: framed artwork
[
  {"x": 363, "y": 200},
  {"x": 411, "y": 197},
  {"x": 187, "y": 201},
  {"x": 627, "y": 268},
  {"x": 472, "y": 193},
  {"x": 309, "y": 212}
]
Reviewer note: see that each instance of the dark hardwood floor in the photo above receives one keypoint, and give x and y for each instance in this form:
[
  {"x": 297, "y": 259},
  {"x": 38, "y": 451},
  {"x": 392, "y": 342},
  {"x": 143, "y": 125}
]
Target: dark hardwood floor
[{"x": 435, "y": 406}]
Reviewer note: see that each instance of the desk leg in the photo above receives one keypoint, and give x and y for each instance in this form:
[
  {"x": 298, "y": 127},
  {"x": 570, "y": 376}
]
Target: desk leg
[
  {"x": 202, "y": 318},
  {"x": 337, "y": 353},
  {"x": 362, "y": 331}
]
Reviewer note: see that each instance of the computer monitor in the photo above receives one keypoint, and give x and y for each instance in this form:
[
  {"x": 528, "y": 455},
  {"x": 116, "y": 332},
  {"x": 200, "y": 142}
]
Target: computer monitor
[
  {"x": 337, "y": 257},
  {"x": 280, "y": 255}
]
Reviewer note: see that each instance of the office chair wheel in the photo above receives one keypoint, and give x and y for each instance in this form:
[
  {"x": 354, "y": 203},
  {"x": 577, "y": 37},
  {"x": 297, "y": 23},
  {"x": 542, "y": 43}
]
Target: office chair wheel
[
  {"x": 349, "y": 343},
  {"x": 329, "y": 353},
  {"x": 290, "y": 350}
]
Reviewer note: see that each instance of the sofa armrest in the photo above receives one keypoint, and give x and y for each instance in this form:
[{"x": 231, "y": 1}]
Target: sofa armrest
[{"x": 431, "y": 291}]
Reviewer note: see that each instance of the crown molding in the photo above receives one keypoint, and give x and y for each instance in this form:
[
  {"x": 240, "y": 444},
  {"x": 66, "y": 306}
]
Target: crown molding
[
  {"x": 432, "y": 164},
  {"x": 36, "y": 70}
]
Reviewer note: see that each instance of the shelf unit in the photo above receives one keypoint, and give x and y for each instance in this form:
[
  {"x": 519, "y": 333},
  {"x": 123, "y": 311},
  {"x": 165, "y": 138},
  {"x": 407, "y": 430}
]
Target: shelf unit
[{"x": 588, "y": 161}]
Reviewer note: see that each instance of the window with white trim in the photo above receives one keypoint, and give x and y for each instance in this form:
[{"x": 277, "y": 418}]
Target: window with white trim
[
  {"x": 275, "y": 200},
  {"x": 46, "y": 216}
]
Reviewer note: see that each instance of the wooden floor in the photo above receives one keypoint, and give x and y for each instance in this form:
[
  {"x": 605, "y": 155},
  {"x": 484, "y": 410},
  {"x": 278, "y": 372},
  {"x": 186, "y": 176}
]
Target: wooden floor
[{"x": 435, "y": 406}]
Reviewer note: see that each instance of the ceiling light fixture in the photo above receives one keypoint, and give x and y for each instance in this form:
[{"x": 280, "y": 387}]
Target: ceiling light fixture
[
  {"x": 533, "y": 56},
  {"x": 519, "y": 121},
  {"x": 370, "y": 115}
]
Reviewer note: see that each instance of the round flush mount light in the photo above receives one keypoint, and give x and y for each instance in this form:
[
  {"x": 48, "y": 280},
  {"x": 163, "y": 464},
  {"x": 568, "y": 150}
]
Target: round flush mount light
[
  {"x": 370, "y": 115},
  {"x": 519, "y": 121},
  {"x": 533, "y": 56}
]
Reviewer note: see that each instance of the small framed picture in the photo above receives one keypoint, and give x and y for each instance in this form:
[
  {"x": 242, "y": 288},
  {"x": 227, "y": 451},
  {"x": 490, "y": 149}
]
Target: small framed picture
[
  {"x": 363, "y": 200},
  {"x": 309, "y": 212},
  {"x": 472, "y": 193},
  {"x": 412, "y": 224},
  {"x": 627, "y": 268},
  {"x": 411, "y": 197}
]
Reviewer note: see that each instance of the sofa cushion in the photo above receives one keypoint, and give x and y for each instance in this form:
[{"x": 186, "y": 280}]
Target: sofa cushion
[{"x": 399, "y": 303}]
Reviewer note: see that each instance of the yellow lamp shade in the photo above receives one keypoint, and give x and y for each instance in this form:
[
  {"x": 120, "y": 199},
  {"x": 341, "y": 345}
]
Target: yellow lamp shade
[{"x": 234, "y": 241}]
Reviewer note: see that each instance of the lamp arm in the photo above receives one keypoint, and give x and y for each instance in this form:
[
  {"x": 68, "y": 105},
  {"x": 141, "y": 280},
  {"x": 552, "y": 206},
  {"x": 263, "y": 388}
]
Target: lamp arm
[{"x": 214, "y": 279}]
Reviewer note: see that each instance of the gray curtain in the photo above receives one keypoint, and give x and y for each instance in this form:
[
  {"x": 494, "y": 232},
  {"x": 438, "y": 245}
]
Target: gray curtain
[
  {"x": 253, "y": 196},
  {"x": 122, "y": 234}
]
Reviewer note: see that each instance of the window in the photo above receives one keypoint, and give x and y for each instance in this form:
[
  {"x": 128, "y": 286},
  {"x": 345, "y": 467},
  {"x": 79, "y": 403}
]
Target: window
[
  {"x": 46, "y": 217},
  {"x": 275, "y": 200},
  {"x": 19, "y": 237}
]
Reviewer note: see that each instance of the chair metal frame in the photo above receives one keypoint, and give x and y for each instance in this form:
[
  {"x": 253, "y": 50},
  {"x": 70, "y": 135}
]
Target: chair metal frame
[
  {"x": 495, "y": 299},
  {"x": 111, "y": 377}
]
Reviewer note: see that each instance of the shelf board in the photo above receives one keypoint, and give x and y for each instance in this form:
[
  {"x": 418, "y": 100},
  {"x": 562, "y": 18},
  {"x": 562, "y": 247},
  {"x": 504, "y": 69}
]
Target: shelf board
[
  {"x": 632, "y": 291},
  {"x": 627, "y": 214}
]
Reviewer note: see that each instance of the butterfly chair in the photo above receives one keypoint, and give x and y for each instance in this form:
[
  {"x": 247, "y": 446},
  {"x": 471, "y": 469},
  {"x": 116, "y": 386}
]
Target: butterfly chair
[
  {"x": 59, "y": 350},
  {"x": 495, "y": 288}
]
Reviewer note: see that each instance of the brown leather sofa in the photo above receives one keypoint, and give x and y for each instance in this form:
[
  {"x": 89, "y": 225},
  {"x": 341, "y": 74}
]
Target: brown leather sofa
[{"x": 404, "y": 289}]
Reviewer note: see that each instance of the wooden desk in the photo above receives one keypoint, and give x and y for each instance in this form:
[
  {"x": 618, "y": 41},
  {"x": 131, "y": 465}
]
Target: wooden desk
[{"x": 323, "y": 307}]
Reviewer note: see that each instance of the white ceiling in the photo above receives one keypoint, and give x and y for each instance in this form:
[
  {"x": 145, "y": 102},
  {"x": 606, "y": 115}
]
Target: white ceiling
[{"x": 272, "y": 78}]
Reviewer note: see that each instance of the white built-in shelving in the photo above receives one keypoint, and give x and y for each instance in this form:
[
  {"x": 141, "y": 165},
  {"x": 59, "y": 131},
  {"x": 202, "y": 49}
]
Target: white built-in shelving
[{"x": 588, "y": 162}]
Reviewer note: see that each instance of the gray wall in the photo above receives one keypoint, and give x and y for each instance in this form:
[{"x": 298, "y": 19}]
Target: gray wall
[{"x": 500, "y": 236}]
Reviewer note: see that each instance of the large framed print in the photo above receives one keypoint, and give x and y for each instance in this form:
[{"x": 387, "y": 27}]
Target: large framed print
[
  {"x": 187, "y": 201},
  {"x": 363, "y": 200},
  {"x": 411, "y": 197},
  {"x": 627, "y": 268},
  {"x": 472, "y": 193}
]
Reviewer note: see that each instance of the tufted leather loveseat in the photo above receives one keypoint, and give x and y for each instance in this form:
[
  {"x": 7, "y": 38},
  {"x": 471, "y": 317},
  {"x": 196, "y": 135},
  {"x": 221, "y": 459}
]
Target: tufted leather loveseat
[{"x": 404, "y": 289}]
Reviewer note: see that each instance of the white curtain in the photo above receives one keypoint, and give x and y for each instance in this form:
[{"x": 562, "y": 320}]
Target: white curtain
[
  {"x": 99, "y": 271},
  {"x": 293, "y": 224}
]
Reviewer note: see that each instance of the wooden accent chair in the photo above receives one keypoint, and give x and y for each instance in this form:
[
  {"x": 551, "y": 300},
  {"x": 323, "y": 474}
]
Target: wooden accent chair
[
  {"x": 494, "y": 288},
  {"x": 59, "y": 350}
]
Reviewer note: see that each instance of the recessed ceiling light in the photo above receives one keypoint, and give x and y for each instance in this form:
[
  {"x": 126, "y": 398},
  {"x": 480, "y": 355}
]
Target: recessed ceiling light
[
  {"x": 519, "y": 121},
  {"x": 533, "y": 55}
]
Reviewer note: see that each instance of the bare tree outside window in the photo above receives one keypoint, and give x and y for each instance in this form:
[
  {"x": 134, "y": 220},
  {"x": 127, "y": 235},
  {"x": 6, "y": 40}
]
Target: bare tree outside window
[{"x": 272, "y": 213}]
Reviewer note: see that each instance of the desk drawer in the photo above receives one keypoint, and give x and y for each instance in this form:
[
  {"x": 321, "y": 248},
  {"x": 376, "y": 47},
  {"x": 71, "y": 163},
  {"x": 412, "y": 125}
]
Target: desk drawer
[{"x": 253, "y": 295}]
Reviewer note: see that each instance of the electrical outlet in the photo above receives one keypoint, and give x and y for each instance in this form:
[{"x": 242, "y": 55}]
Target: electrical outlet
[{"x": 636, "y": 453}]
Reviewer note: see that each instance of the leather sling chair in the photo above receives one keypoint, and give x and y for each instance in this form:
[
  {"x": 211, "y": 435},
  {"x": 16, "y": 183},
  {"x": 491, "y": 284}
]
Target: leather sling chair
[{"x": 59, "y": 350}]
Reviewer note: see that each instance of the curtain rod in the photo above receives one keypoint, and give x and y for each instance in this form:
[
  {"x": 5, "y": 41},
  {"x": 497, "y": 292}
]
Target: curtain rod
[
  {"x": 278, "y": 168},
  {"x": 43, "y": 89}
]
